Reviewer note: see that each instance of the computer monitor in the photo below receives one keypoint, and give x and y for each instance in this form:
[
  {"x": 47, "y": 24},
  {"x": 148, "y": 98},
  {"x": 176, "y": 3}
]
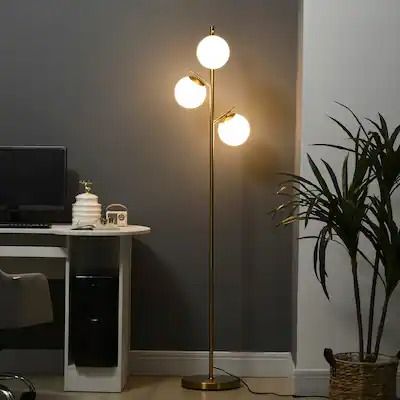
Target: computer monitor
[{"x": 32, "y": 178}]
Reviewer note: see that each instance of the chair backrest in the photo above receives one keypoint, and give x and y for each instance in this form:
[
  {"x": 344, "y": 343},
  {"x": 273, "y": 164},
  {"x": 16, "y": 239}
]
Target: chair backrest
[
  {"x": 4, "y": 278},
  {"x": 24, "y": 300}
]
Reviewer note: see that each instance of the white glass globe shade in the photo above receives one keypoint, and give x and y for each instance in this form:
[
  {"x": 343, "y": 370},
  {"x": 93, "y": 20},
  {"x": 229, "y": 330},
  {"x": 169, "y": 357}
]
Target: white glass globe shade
[
  {"x": 234, "y": 131},
  {"x": 213, "y": 52},
  {"x": 189, "y": 93}
]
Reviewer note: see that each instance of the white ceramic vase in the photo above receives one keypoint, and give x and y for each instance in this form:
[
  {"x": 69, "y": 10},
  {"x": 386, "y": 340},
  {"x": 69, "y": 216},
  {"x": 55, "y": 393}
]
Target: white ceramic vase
[{"x": 86, "y": 210}]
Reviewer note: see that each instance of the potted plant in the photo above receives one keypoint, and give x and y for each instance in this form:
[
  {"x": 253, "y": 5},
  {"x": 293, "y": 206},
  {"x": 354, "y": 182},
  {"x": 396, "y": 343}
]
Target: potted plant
[{"x": 345, "y": 208}]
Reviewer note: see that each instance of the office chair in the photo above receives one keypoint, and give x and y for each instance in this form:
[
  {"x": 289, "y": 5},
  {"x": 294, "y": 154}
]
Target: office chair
[{"x": 24, "y": 301}]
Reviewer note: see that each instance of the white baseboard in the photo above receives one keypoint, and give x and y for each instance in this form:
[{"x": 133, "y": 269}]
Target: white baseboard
[
  {"x": 181, "y": 363},
  {"x": 315, "y": 382}
]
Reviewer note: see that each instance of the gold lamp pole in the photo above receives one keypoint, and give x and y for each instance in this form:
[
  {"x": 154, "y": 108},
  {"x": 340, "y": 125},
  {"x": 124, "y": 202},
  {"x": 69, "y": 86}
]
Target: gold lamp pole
[{"x": 233, "y": 129}]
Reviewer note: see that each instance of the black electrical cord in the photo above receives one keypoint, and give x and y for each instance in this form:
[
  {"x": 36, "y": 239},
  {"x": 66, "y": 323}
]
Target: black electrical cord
[{"x": 246, "y": 385}]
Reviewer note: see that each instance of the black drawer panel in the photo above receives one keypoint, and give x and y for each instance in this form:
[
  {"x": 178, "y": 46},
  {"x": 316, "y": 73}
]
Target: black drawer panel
[{"x": 94, "y": 321}]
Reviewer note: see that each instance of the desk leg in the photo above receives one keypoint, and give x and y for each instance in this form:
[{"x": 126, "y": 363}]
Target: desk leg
[
  {"x": 96, "y": 379},
  {"x": 124, "y": 310},
  {"x": 66, "y": 306}
]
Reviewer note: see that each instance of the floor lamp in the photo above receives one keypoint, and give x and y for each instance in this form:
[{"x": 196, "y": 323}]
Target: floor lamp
[{"x": 233, "y": 129}]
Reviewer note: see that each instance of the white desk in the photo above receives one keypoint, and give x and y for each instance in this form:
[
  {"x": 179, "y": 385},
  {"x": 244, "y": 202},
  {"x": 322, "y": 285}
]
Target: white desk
[
  {"x": 65, "y": 230},
  {"x": 104, "y": 379}
]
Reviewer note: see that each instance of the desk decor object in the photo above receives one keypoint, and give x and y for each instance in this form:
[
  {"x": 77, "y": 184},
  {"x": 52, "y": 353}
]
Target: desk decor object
[
  {"x": 117, "y": 214},
  {"x": 86, "y": 210},
  {"x": 233, "y": 129}
]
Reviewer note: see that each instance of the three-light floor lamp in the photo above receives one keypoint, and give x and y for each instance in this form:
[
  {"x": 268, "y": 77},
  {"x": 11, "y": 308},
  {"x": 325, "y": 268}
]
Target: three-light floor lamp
[{"x": 233, "y": 129}]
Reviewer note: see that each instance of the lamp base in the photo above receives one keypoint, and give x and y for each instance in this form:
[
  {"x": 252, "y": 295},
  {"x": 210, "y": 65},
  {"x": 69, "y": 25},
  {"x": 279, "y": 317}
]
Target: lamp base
[{"x": 203, "y": 382}]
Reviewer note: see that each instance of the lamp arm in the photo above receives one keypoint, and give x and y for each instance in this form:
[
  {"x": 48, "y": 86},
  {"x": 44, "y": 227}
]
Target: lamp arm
[
  {"x": 195, "y": 76},
  {"x": 225, "y": 115}
]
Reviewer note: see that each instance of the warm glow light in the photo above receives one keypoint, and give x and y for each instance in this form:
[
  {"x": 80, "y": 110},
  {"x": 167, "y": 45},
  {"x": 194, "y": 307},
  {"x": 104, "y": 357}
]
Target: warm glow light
[
  {"x": 189, "y": 93},
  {"x": 213, "y": 52},
  {"x": 234, "y": 131}
]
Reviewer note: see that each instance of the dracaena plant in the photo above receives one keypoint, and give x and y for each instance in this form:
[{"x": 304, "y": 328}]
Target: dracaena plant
[{"x": 345, "y": 207}]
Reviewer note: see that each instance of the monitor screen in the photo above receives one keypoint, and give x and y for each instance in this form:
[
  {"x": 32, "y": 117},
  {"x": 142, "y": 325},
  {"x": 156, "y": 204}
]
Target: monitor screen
[{"x": 32, "y": 177}]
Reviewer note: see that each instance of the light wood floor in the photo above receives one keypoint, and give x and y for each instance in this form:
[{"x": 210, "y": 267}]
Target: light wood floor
[{"x": 163, "y": 388}]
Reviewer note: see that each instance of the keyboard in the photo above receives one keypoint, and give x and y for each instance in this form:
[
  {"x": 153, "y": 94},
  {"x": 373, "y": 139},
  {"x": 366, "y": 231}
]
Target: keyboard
[{"x": 17, "y": 225}]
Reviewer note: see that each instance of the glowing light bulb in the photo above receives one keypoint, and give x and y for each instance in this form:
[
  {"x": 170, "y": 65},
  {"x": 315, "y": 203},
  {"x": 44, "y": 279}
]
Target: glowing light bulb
[
  {"x": 190, "y": 93},
  {"x": 234, "y": 130},
  {"x": 213, "y": 52}
]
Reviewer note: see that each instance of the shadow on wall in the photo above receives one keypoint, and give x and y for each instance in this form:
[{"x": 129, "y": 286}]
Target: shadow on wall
[
  {"x": 269, "y": 153},
  {"x": 164, "y": 316}
]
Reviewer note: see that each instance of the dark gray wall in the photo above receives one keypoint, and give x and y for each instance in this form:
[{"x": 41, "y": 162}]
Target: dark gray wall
[{"x": 98, "y": 77}]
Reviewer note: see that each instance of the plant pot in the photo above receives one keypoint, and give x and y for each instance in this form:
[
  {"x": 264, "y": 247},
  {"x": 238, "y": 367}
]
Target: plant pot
[{"x": 351, "y": 379}]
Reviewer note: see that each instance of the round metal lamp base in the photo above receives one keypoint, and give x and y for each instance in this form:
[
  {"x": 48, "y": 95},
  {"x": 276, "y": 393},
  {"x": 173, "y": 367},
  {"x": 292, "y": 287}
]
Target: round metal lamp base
[{"x": 203, "y": 382}]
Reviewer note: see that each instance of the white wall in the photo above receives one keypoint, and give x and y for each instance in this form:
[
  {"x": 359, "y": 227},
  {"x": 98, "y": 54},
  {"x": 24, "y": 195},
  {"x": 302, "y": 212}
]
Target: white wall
[{"x": 350, "y": 53}]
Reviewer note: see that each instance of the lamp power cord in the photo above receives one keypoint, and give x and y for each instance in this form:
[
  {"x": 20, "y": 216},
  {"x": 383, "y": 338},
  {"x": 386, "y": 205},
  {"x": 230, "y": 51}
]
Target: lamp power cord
[{"x": 252, "y": 391}]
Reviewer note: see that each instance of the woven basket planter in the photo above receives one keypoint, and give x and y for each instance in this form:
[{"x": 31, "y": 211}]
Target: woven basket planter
[{"x": 354, "y": 380}]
